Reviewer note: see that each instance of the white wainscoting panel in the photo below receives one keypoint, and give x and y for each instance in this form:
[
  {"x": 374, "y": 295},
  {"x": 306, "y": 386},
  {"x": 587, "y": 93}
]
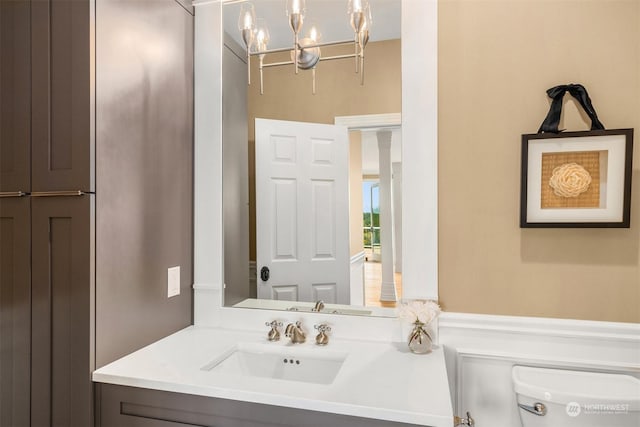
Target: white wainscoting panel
[{"x": 481, "y": 351}]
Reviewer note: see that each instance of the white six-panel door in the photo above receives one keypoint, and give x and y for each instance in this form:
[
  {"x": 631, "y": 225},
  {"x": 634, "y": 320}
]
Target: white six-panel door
[{"x": 302, "y": 211}]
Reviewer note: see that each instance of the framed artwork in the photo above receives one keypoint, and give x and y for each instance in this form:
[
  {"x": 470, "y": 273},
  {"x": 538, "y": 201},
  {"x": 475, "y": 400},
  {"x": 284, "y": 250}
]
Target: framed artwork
[{"x": 576, "y": 179}]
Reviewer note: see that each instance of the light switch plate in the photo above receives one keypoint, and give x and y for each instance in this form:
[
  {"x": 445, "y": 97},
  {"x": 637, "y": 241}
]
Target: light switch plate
[{"x": 173, "y": 281}]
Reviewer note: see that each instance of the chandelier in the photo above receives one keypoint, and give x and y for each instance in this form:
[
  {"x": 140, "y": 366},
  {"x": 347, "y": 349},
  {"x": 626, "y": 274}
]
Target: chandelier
[{"x": 305, "y": 53}]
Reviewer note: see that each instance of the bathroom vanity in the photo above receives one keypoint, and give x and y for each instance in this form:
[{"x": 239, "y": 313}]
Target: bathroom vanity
[
  {"x": 191, "y": 378},
  {"x": 366, "y": 375}
]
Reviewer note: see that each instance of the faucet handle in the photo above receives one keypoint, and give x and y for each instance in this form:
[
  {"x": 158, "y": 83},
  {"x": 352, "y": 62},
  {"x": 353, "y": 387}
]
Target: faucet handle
[
  {"x": 274, "y": 333},
  {"x": 322, "y": 338}
]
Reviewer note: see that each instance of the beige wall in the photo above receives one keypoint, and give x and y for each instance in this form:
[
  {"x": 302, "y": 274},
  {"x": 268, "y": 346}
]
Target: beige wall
[
  {"x": 496, "y": 59},
  {"x": 356, "y": 241},
  {"x": 339, "y": 93}
]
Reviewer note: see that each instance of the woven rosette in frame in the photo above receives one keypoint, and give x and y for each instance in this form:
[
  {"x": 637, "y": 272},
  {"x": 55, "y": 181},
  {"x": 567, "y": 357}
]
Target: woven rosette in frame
[{"x": 575, "y": 179}]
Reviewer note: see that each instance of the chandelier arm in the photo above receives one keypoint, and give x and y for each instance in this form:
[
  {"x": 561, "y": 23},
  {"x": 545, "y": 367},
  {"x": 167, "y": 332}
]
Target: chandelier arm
[
  {"x": 356, "y": 44},
  {"x": 313, "y": 81},
  {"x": 278, "y": 64},
  {"x": 324, "y": 58},
  {"x": 297, "y": 49},
  {"x": 261, "y": 75},
  {"x": 310, "y": 46},
  {"x": 334, "y": 57},
  {"x": 248, "y": 68}
]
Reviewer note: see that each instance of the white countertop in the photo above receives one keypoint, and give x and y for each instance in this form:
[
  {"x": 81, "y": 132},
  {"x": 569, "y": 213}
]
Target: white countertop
[{"x": 377, "y": 380}]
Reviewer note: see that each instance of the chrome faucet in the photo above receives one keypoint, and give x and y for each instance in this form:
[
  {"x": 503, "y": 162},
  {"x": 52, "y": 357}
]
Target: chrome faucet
[
  {"x": 319, "y": 306},
  {"x": 295, "y": 332}
]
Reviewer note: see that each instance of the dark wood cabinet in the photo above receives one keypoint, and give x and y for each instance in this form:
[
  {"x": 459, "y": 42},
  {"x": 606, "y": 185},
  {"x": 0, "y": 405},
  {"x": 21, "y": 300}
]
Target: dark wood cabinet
[
  {"x": 15, "y": 311},
  {"x": 51, "y": 85},
  {"x": 15, "y": 219},
  {"x": 47, "y": 310},
  {"x": 46, "y": 95},
  {"x": 46, "y": 242},
  {"x": 120, "y": 406},
  {"x": 15, "y": 96},
  {"x": 62, "y": 311},
  {"x": 61, "y": 96}
]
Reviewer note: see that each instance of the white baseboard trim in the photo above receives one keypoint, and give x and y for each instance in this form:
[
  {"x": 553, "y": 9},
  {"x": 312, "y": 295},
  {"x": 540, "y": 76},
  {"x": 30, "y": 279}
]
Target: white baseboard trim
[{"x": 357, "y": 258}]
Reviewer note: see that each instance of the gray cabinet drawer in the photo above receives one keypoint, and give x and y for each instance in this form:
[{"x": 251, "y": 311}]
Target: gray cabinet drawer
[{"x": 120, "y": 406}]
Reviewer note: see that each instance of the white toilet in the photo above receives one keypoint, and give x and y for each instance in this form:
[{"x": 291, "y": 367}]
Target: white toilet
[{"x": 560, "y": 398}]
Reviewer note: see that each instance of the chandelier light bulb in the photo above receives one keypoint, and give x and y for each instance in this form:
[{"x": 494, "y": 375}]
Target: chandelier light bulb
[
  {"x": 262, "y": 36},
  {"x": 368, "y": 20},
  {"x": 247, "y": 19},
  {"x": 295, "y": 7},
  {"x": 314, "y": 34},
  {"x": 357, "y": 9},
  {"x": 356, "y": 6}
]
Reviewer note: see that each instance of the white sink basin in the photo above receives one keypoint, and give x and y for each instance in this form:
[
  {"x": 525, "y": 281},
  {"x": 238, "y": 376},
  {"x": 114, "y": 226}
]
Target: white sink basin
[{"x": 275, "y": 361}]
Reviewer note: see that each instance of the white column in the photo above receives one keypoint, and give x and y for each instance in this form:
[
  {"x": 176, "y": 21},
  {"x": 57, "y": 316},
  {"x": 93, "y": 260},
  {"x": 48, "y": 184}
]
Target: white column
[
  {"x": 396, "y": 181},
  {"x": 388, "y": 291}
]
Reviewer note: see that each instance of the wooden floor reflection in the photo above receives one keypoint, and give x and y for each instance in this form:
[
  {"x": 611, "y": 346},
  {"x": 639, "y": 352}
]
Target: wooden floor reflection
[{"x": 372, "y": 281}]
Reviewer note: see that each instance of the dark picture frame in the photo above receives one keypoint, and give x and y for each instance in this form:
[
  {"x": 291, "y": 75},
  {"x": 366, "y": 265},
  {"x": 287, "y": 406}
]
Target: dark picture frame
[{"x": 576, "y": 179}]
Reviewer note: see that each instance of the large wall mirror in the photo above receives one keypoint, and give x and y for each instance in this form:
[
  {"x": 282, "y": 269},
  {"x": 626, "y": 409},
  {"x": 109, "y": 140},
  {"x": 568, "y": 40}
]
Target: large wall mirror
[{"x": 376, "y": 135}]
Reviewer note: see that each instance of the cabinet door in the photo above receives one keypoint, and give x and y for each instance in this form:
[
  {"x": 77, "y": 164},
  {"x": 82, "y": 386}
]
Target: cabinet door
[
  {"x": 15, "y": 101},
  {"x": 15, "y": 313},
  {"x": 62, "y": 311},
  {"x": 62, "y": 106}
]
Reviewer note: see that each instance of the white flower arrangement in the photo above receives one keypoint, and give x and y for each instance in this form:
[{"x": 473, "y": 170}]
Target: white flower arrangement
[{"x": 419, "y": 311}]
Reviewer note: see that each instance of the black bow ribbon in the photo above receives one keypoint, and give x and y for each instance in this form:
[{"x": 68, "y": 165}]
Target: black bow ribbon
[{"x": 550, "y": 123}]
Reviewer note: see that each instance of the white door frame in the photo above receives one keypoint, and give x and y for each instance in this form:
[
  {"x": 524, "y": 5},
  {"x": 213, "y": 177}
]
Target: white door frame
[{"x": 368, "y": 122}]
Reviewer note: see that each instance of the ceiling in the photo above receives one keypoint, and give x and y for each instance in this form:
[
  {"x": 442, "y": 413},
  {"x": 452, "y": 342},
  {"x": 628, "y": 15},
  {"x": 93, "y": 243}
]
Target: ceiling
[{"x": 329, "y": 16}]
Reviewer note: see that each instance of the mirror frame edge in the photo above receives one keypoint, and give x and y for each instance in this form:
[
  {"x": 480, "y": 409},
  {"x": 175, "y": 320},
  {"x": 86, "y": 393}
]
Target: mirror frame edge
[{"x": 419, "y": 123}]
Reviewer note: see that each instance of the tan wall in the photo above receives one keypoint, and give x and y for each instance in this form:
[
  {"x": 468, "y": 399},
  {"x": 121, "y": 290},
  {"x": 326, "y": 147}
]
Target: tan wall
[
  {"x": 356, "y": 241},
  {"x": 496, "y": 59},
  {"x": 339, "y": 93}
]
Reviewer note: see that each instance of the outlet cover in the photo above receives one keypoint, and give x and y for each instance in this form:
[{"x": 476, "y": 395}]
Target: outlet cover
[{"x": 173, "y": 281}]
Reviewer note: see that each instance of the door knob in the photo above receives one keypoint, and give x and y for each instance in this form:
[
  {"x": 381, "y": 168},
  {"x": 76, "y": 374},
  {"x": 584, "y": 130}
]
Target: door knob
[{"x": 264, "y": 274}]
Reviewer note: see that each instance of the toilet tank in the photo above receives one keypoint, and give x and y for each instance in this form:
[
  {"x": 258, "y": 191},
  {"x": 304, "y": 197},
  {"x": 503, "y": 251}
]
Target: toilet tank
[{"x": 561, "y": 398}]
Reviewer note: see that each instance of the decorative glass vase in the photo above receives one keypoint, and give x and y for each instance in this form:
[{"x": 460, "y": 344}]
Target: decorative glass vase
[{"x": 419, "y": 339}]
